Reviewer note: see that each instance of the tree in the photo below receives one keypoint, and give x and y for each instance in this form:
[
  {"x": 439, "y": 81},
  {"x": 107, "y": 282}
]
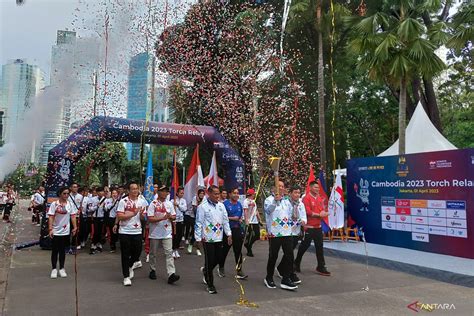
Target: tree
[
  {"x": 27, "y": 178},
  {"x": 394, "y": 48}
]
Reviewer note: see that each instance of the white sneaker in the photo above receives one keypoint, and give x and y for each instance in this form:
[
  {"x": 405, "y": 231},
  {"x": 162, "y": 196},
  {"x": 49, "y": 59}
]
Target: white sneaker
[
  {"x": 78, "y": 247},
  {"x": 83, "y": 244},
  {"x": 177, "y": 254},
  {"x": 127, "y": 282},
  {"x": 147, "y": 258},
  {"x": 54, "y": 274},
  {"x": 198, "y": 252},
  {"x": 62, "y": 273},
  {"x": 174, "y": 255},
  {"x": 190, "y": 248},
  {"x": 137, "y": 265},
  {"x": 131, "y": 274},
  {"x": 186, "y": 242}
]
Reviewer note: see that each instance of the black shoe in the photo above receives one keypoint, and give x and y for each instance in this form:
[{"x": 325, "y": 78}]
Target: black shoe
[
  {"x": 172, "y": 278},
  {"x": 240, "y": 275},
  {"x": 269, "y": 283},
  {"x": 323, "y": 271},
  {"x": 249, "y": 253},
  {"x": 297, "y": 267},
  {"x": 152, "y": 275},
  {"x": 287, "y": 284},
  {"x": 212, "y": 289},
  {"x": 294, "y": 278},
  {"x": 92, "y": 252}
]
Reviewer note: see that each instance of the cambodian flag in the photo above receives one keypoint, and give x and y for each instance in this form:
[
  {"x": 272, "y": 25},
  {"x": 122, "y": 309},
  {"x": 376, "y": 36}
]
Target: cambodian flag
[
  {"x": 174, "y": 178},
  {"x": 322, "y": 193}
]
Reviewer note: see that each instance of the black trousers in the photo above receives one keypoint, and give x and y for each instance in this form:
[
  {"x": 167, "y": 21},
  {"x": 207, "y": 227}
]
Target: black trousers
[
  {"x": 212, "y": 255},
  {"x": 237, "y": 240},
  {"x": 253, "y": 234},
  {"x": 98, "y": 227},
  {"x": 130, "y": 248},
  {"x": 110, "y": 222},
  {"x": 59, "y": 245},
  {"x": 294, "y": 243},
  {"x": 7, "y": 211},
  {"x": 316, "y": 235},
  {"x": 189, "y": 228},
  {"x": 286, "y": 264},
  {"x": 84, "y": 228},
  {"x": 178, "y": 235}
]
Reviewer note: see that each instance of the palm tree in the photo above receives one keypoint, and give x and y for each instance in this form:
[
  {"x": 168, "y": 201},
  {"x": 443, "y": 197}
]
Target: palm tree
[{"x": 395, "y": 49}]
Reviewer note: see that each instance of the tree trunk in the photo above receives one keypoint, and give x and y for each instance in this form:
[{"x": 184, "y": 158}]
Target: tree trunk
[
  {"x": 432, "y": 104},
  {"x": 402, "y": 116},
  {"x": 321, "y": 108}
]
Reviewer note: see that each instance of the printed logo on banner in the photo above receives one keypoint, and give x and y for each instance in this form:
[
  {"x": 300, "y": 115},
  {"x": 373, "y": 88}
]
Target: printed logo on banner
[
  {"x": 404, "y": 227},
  {"x": 389, "y": 210},
  {"x": 419, "y": 228},
  {"x": 434, "y": 221},
  {"x": 388, "y": 201},
  {"x": 403, "y": 203},
  {"x": 437, "y": 230},
  {"x": 458, "y": 223},
  {"x": 239, "y": 174},
  {"x": 403, "y": 210},
  {"x": 363, "y": 194},
  {"x": 458, "y": 205},
  {"x": 419, "y": 220},
  {"x": 420, "y": 237},
  {"x": 436, "y": 204},
  {"x": 64, "y": 171},
  {"x": 456, "y": 214},
  {"x": 403, "y": 219},
  {"x": 419, "y": 211},
  {"x": 434, "y": 212},
  {"x": 457, "y": 232},
  {"x": 389, "y": 218},
  {"x": 402, "y": 168},
  {"x": 435, "y": 164},
  {"x": 389, "y": 225}
]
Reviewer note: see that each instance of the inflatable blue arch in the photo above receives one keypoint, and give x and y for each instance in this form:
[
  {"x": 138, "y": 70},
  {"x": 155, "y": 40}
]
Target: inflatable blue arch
[{"x": 63, "y": 158}]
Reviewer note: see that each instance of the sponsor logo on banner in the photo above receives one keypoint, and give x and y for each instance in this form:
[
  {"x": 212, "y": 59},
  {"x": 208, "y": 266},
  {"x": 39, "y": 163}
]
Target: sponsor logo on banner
[
  {"x": 419, "y": 229},
  {"x": 433, "y": 221},
  {"x": 403, "y": 219},
  {"x": 437, "y": 230},
  {"x": 419, "y": 203},
  {"x": 458, "y": 223},
  {"x": 388, "y": 225},
  {"x": 403, "y": 210},
  {"x": 389, "y": 210},
  {"x": 436, "y": 204},
  {"x": 456, "y": 214},
  {"x": 420, "y": 237},
  {"x": 388, "y": 202},
  {"x": 403, "y": 203},
  {"x": 389, "y": 218},
  {"x": 419, "y": 211},
  {"x": 436, "y": 164},
  {"x": 458, "y": 205},
  {"x": 457, "y": 232},
  {"x": 404, "y": 227},
  {"x": 435, "y": 212},
  {"x": 419, "y": 220},
  {"x": 402, "y": 168}
]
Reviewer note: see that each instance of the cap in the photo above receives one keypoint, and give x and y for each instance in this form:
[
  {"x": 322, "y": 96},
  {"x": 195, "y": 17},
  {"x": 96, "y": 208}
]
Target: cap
[
  {"x": 163, "y": 188},
  {"x": 250, "y": 192}
]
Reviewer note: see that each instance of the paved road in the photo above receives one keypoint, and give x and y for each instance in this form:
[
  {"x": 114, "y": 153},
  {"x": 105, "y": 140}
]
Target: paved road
[{"x": 100, "y": 292}]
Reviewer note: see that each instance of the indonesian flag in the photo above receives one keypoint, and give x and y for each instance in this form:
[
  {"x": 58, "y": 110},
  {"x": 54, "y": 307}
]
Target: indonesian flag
[
  {"x": 194, "y": 178},
  {"x": 336, "y": 204},
  {"x": 213, "y": 178}
]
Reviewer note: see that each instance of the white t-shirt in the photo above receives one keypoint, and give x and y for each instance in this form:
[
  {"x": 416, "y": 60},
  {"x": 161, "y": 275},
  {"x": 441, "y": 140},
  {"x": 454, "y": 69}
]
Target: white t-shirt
[
  {"x": 131, "y": 226},
  {"x": 92, "y": 205},
  {"x": 111, "y": 206},
  {"x": 181, "y": 208},
  {"x": 194, "y": 202},
  {"x": 100, "y": 207},
  {"x": 3, "y": 196},
  {"x": 252, "y": 210},
  {"x": 77, "y": 198},
  {"x": 62, "y": 217},
  {"x": 38, "y": 198},
  {"x": 161, "y": 229}
]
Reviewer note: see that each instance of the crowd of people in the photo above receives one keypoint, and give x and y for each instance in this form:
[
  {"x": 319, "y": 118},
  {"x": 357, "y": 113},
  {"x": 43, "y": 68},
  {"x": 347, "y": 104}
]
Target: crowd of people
[
  {"x": 216, "y": 221},
  {"x": 8, "y": 199}
]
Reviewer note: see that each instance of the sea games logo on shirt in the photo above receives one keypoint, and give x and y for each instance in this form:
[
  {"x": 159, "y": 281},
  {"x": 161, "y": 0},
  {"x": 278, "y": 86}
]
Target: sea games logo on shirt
[{"x": 437, "y": 164}]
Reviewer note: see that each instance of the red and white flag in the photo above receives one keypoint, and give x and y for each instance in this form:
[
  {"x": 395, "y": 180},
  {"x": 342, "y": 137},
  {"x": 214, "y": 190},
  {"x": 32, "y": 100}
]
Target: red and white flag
[
  {"x": 336, "y": 204},
  {"x": 213, "y": 178},
  {"x": 194, "y": 178}
]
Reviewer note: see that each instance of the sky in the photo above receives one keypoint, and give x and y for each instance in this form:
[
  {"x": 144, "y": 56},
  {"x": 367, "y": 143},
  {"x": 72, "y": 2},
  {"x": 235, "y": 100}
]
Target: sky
[{"x": 29, "y": 31}]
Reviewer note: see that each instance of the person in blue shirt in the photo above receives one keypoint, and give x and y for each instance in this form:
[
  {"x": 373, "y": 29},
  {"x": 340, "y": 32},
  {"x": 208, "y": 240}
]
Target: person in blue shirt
[{"x": 235, "y": 213}]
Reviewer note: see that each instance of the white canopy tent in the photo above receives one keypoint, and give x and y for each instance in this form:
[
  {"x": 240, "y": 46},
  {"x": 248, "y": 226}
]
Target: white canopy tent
[{"x": 421, "y": 136}]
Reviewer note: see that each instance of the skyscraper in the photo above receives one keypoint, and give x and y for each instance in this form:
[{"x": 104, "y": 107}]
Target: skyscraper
[
  {"x": 21, "y": 82},
  {"x": 140, "y": 88}
]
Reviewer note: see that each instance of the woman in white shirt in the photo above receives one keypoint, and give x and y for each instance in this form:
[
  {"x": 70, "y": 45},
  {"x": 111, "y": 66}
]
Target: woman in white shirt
[{"x": 60, "y": 215}]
